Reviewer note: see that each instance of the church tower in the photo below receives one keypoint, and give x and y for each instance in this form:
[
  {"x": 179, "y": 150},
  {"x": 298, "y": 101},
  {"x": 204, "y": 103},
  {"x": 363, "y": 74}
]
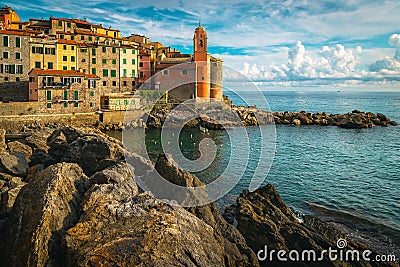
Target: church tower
[{"x": 202, "y": 61}]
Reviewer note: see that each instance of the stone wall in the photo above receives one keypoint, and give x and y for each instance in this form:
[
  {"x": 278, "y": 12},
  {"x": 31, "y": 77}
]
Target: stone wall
[
  {"x": 14, "y": 91},
  {"x": 35, "y": 122},
  {"x": 18, "y": 108}
]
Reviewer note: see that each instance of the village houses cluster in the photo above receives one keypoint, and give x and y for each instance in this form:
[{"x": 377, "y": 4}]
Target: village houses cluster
[{"x": 72, "y": 65}]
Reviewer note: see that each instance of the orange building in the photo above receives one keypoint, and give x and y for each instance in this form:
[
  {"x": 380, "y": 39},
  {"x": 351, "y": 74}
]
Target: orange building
[{"x": 207, "y": 70}]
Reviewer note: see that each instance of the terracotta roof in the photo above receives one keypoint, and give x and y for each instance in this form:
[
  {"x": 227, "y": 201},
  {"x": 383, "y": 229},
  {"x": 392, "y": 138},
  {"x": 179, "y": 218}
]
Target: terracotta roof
[
  {"x": 70, "y": 42},
  {"x": 63, "y": 19},
  {"x": 40, "y": 26},
  {"x": 80, "y": 21},
  {"x": 92, "y": 76},
  {"x": 19, "y": 22},
  {"x": 12, "y": 32},
  {"x": 73, "y": 73}
]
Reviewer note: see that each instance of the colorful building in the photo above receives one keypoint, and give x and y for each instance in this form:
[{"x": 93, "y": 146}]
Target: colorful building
[{"x": 64, "y": 91}]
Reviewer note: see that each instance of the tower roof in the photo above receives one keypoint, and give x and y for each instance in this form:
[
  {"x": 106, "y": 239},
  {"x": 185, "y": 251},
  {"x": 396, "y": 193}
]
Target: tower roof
[{"x": 200, "y": 28}]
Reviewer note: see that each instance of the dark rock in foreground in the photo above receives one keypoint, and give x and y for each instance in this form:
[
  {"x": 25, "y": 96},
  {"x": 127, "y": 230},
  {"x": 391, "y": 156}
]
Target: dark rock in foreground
[{"x": 265, "y": 220}]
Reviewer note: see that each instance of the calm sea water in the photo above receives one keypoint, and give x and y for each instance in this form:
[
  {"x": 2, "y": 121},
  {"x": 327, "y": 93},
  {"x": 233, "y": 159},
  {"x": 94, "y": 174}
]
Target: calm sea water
[{"x": 327, "y": 170}]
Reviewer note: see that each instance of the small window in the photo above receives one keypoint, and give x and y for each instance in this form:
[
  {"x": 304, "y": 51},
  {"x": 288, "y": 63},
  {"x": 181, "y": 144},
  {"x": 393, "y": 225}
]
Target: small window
[
  {"x": 141, "y": 64},
  {"x": 91, "y": 93},
  {"x": 125, "y": 102},
  {"x": 17, "y": 55},
  {"x": 104, "y": 83},
  {"x": 48, "y": 105},
  {"x": 17, "y": 41},
  {"x": 184, "y": 72},
  {"x": 114, "y": 50},
  {"x": 31, "y": 79},
  {"x": 124, "y": 50},
  {"x": 69, "y": 24},
  {"x": 105, "y": 72},
  {"x": 125, "y": 73},
  {"x": 76, "y": 95},
  {"x": 113, "y": 73},
  {"x": 5, "y": 41},
  {"x": 94, "y": 71},
  {"x": 65, "y": 68},
  {"x": 50, "y": 65},
  {"x": 90, "y": 39},
  {"x": 125, "y": 83},
  {"x": 72, "y": 68},
  {"x": 65, "y": 104},
  {"x": 5, "y": 55},
  {"x": 76, "y": 104},
  {"x": 94, "y": 60},
  {"x": 48, "y": 95},
  {"x": 72, "y": 47},
  {"x": 133, "y": 52},
  {"x": 83, "y": 60},
  {"x": 72, "y": 38},
  {"x": 82, "y": 38},
  {"x": 165, "y": 72},
  {"x": 114, "y": 61},
  {"x": 133, "y": 73},
  {"x": 132, "y": 102},
  {"x": 118, "y": 102},
  {"x": 91, "y": 104},
  {"x": 59, "y": 23},
  {"x": 65, "y": 58},
  {"x": 104, "y": 49},
  {"x": 124, "y": 61},
  {"x": 114, "y": 83},
  {"x": 62, "y": 36},
  {"x": 65, "y": 94},
  {"x": 133, "y": 60},
  {"x": 72, "y": 58},
  {"x": 104, "y": 61},
  {"x": 37, "y": 65},
  {"x": 93, "y": 51},
  {"x": 64, "y": 47}
]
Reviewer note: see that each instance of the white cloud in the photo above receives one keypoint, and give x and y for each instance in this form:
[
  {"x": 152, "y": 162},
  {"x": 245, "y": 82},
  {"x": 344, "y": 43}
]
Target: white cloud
[{"x": 389, "y": 65}]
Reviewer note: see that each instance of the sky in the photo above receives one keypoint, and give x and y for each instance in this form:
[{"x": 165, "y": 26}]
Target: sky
[{"x": 345, "y": 43}]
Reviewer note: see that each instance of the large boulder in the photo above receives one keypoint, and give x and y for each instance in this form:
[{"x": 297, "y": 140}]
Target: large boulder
[
  {"x": 17, "y": 146},
  {"x": 14, "y": 164},
  {"x": 265, "y": 220},
  {"x": 118, "y": 227},
  {"x": 236, "y": 251},
  {"x": 93, "y": 153},
  {"x": 44, "y": 209}
]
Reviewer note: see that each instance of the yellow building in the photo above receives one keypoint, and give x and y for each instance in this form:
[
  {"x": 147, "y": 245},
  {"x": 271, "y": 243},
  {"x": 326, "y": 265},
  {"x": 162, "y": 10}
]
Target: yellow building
[
  {"x": 42, "y": 53},
  {"x": 67, "y": 55},
  {"x": 128, "y": 67}
]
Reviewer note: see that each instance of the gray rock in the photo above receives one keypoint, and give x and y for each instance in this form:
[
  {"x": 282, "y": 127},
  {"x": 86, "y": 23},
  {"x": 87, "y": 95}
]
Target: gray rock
[
  {"x": 17, "y": 146},
  {"x": 9, "y": 191},
  {"x": 14, "y": 164},
  {"x": 44, "y": 209}
]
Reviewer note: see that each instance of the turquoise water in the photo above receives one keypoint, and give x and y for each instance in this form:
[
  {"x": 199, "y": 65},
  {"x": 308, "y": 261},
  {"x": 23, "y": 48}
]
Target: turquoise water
[{"x": 354, "y": 172}]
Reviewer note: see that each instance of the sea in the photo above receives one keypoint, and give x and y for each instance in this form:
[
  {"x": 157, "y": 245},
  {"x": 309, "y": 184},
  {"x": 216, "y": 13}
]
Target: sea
[{"x": 348, "y": 177}]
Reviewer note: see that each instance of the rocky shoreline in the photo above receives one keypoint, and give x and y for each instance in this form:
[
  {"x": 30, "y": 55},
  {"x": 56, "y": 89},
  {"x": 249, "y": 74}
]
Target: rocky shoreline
[
  {"x": 68, "y": 198},
  {"x": 253, "y": 117}
]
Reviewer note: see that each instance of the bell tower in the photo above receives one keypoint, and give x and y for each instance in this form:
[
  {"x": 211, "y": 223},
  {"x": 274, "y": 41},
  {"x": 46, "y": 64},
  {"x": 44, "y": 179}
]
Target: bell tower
[{"x": 202, "y": 61}]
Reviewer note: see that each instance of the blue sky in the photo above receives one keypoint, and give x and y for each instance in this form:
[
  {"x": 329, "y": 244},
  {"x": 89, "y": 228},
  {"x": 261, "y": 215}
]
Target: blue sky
[{"x": 282, "y": 42}]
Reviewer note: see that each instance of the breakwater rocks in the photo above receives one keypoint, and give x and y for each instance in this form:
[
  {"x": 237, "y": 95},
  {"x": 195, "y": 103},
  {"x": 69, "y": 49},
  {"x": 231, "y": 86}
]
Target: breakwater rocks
[
  {"x": 68, "y": 198},
  {"x": 352, "y": 120}
]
